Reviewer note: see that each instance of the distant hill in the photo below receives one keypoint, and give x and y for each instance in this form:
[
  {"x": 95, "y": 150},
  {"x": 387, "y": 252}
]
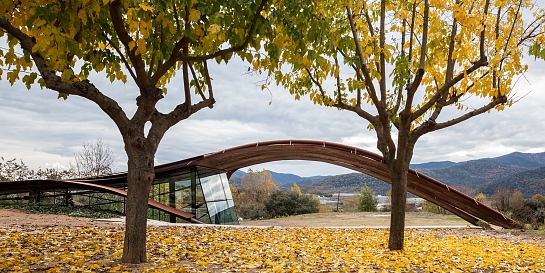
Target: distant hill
[
  {"x": 283, "y": 180},
  {"x": 433, "y": 165},
  {"x": 523, "y": 171},
  {"x": 345, "y": 183},
  {"x": 529, "y": 183},
  {"x": 477, "y": 173}
]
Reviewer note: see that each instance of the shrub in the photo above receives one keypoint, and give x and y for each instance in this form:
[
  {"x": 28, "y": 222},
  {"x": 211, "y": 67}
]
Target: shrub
[
  {"x": 307, "y": 204},
  {"x": 433, "y": 208},
  {"x": 253, "y": 211},
  {"x": 540, "y": 198},
  {"x": 524, "y": 214},
  {"x": 281, "y": 203},
  {"x": 534, "y": 204},
  {"x": 325, "y": 208},
  {"x": 368, "y": 201},
  {"x": 539, "y": 216}
]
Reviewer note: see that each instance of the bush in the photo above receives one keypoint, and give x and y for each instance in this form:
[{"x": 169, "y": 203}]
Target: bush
[
  {"x": 253, "y": 211},
  {"x": 368, "y": 201},
  {"x": 534, "y": 204},
  {"x": 325, "y": 208},
  {"x": 280, "y": 203},
  {"x": 433, "y": 208},
  {"x": 539, "y": 216},
  {"x": 540, "y": 198},
  {"x": 524, "y": 214},
  {"x": 307, "y": 204}
]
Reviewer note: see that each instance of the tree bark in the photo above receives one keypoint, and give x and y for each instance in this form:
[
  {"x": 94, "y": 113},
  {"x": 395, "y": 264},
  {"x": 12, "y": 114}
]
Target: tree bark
[
  {"x": 398, "y": 175},
  {"x": 140, "y": 177}
]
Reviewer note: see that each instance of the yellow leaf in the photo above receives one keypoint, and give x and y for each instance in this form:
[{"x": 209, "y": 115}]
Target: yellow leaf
[
  {"x": 132, "y": 44},
  {"x": 213, "y": 29},
  {"x": 199, "y": 30},
  {"x": 194, "y": 15},
  {"x": 99, "y": 67},
  {"x": 141, "y": 46},
  {"x": 146, "y": 7},
  {"x": 82, "y": 15}
]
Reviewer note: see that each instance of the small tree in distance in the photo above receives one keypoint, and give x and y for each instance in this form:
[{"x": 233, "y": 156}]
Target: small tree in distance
[
  {"x": 500, "y": 199},
  {"x": 296, "y": 189},
  {"x": 255, "y": 187},
  {"x": 95, "y": 159},
  {"x": 368, "y": 201}
]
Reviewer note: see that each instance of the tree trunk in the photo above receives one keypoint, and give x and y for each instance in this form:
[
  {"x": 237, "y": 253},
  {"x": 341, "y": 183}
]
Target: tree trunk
[
  {"x": 140, "y": 177},
  {"x": 399, "y": 203}
]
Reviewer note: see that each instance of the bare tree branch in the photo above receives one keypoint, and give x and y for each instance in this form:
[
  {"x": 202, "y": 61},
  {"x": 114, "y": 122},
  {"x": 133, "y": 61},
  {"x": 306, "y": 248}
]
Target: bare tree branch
[
  {"x": 197, "y": 84},
  {"x": 368, "y": 81},
  {"x": 176, "y": 56},
  {"x": 209, "y": 83},
  {"x": 123, "y": 59},
  {"x": 95, "y": 159},
  {"x": 426, "y": 128},
  {"x": 382, "y": 57},
  {"x": 411, "y": 90},
  {"x": 125, "y": 38}
]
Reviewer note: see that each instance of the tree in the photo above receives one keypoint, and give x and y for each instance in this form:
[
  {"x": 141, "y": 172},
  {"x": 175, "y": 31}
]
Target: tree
[
  {"x": 352, "y": 203},
  {"x": 540, "y": 198},
  {"x": 399, "y": 64},
  {"x": 11, "y": 170},
  {"x": 149, "y": 42},
  {"x": 516, "y": 201},
  {"x": 296, "y": 189},
  {"x": 481, "y": 197},
  {"x": 368, "y": 201},
  {"x": 95, "y": 159},
  {"x": 256, "y": 186},
  {"x": 500, "y": 199}
]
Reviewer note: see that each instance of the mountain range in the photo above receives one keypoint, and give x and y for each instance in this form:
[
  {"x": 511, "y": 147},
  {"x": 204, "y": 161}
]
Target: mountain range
[{"x": 522, "y": 171}]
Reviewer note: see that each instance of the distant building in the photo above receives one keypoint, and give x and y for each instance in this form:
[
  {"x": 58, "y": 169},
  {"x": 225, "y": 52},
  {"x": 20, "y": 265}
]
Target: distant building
[{"x": 383, "y": 201}]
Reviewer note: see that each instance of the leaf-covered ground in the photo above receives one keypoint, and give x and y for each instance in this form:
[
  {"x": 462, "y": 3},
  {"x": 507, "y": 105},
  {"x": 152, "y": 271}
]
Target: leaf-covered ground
[{"x": 224, "y": 249}]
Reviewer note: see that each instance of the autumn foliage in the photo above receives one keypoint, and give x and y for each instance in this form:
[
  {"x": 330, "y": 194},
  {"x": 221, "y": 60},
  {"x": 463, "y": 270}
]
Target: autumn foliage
[
  {"x": 223, "y": 249},
  {"x": 400, "y": 64}
]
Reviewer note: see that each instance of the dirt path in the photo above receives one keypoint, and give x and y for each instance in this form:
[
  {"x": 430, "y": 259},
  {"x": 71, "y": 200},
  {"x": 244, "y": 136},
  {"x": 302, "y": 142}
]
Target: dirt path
[
  {"x": 16, "y": 218},
  {"x": 361, "y": 219},
  {"x": 21, "y": 218}
]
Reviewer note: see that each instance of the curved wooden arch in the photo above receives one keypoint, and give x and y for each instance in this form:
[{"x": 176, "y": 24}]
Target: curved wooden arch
[
  {"x": 350, "y": 157},
  {"x": 355, "y": 159}
]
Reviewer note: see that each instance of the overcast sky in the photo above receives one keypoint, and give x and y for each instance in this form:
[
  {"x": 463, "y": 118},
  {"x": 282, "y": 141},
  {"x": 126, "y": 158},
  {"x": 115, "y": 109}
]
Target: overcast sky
[{"x": 44, "y": 131}]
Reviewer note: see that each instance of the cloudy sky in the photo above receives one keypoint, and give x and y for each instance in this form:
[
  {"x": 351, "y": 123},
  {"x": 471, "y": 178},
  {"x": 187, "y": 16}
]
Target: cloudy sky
[{"x": 44, "y": 131}]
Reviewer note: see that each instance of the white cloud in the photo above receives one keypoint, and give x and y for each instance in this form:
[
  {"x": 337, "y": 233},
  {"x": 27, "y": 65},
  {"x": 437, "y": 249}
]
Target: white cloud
[{"x": 45, "y": 131}]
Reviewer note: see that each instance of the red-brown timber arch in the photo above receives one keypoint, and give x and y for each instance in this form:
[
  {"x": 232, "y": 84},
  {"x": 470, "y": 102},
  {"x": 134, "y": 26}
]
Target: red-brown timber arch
[
  {"x": 352, "y": 158},
  {"x": 232, "y": 159}
]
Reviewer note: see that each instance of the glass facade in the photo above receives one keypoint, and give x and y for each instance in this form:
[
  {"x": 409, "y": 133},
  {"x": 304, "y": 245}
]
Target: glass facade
[{"x": 201, "y": 191}]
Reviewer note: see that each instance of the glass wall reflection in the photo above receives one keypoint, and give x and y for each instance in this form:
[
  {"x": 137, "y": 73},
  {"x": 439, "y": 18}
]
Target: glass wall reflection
[{"x": 201, "y": 191}]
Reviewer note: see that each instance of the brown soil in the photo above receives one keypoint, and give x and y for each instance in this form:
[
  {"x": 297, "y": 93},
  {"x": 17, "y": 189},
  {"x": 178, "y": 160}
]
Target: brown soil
[
  {"x": 360, "y": 219},
  {"x": 16, "y": 218},
  {"x": 21, "y": 218}
]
